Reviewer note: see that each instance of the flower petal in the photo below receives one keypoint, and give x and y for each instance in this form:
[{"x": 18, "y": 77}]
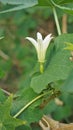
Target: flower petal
[
  {"x": 39, "y": 36},
  {"x": 46, "y": 41},
  {"x": 33, "y": 41}
]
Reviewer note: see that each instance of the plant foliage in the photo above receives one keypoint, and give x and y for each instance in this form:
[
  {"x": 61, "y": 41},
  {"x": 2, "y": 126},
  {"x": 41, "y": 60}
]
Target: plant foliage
[{"x": 34, "y": 93}]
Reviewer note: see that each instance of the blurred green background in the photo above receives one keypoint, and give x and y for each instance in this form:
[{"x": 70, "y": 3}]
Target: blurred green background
[{"x": 17, "y": 55}]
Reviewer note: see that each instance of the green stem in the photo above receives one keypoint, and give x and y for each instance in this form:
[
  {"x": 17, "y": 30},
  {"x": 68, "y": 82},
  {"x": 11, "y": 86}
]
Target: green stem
[
  {"x": 41, "y": 68},
  {"x": 29, "y": 103},
  {"x": 56, "y": 21}
]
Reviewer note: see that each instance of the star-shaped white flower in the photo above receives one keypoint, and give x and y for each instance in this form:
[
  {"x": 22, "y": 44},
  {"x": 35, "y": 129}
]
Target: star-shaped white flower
[{"x": 41, "y": 45}]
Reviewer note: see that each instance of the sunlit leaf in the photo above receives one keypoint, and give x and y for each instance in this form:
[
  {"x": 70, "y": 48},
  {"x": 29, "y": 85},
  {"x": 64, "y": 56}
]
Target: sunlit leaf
[
  {"x": 21, "y": 5},
  {"x": 17, "y": 2},
  {"x": 7, "y": 122}
]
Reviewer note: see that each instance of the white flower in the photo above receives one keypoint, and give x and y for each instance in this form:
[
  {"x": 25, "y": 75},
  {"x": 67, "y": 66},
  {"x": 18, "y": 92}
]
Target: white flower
[{"x": 41, "y": 45}]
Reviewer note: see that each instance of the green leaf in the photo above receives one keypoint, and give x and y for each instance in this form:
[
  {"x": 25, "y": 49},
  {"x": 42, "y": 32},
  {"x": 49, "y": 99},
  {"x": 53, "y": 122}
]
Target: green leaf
[
  {"x": 63, "y": 1},
  {"x": 69, "y": 46},
  {"x": 59, "y": 65},
  {"x": 24, "y": 128},
  {"x": 21, "y": 5},
  {"x": 17, "y": 2},
  {"x": 50, "y": 2},
  {"x": 62, "y": 112},
  {"x": 68, "y": 86},
  {"x": 44, "y": 3},
  {"x": 64, "y": 8},
  {"x": 7, "y": 122}
]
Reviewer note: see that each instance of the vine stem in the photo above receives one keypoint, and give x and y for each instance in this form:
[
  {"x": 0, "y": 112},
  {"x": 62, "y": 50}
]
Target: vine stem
[
  {"x": 29, "y": 103},
  {"x": 56, "y": 21}
]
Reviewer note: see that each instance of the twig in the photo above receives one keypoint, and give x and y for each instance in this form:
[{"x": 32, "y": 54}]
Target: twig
[
  {"x": 64, "y": 23},
  {"x": 56, "y": 125}
]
